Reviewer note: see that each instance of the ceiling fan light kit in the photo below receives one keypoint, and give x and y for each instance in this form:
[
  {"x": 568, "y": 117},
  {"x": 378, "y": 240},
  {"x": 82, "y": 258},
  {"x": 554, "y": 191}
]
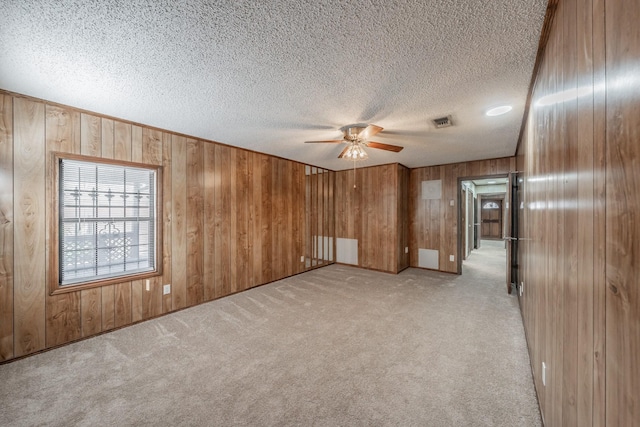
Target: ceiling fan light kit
[
  {"x": 356, "y": 136},
  {"x": 355, "y": 151}
]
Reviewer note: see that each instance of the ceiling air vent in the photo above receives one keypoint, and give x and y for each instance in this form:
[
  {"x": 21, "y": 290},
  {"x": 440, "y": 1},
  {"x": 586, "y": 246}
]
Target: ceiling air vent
[{"x": 442, "y": 122}]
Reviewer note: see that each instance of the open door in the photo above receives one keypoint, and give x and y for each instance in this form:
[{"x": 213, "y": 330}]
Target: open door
[
  {"x": 511, "y": 230},
  {"x": 476, "y": 224}
]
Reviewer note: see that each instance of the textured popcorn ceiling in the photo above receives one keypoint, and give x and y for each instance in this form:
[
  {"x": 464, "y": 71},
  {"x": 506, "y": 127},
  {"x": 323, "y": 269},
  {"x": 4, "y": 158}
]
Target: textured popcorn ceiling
[{"x": 268, "y": 75}]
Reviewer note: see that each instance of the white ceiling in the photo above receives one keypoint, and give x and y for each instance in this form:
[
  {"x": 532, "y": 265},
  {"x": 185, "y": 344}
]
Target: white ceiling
[
  {"x": 489, "y": 181},
  {"x": 269, "y": 75}
]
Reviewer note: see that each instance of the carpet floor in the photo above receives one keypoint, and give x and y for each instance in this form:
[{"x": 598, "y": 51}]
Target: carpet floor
[{"x": 337, "y": 346}]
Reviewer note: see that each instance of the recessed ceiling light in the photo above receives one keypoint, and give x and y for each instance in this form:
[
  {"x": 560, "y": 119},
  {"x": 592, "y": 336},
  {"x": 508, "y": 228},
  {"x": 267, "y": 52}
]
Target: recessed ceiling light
[
  {"x": 499, "y": 110},
  {"x": 491, "y": 182}
]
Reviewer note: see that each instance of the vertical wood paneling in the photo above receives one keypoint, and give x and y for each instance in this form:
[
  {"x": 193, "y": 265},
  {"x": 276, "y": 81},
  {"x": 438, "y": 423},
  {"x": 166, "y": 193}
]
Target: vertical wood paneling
[
  {"x": 368, "y": 213},
  {"x": 179, "y": 222},
  {"x": 167, "y": 200},
  {"x": 122, "y": 291},
  {"x": 108, "y": 292},
  {"x": 288, "y": 220},
  {"x": 108, "y": 314},
  {"x": 276, "y": 219},
  {"x": 240, "y": 224},
  {"x": 554, "y": 231},
  {"x": 108, "y": 139},
  {"x": 331, "y": 232},
  {"x": 233, "y": 222},
  {"x": 570, "y": 219},
  {"x": 256, "y": 210},
  {"x": 209, "y": 235},
  {"x": 91, "y": 309},
  {"x": 62, "y": 311},
  {"x": 205, "y": 188},
  {"x": 152, "y": 145},
  {"x": 402, "y": 216},
  {"x": 222, "y": 257},
  {"x": 266, "y": 203},
  {"x": 433, "y": 224},
  {"x": 91, "y": 299},
  {"x": 122, "y": 143},
  {"x": 580, "y": 160},
  {"x": 251, "y": 204},
  {"x": 6, "y": 227},
  {"x": 137, "y": 286},
  {"x": 585, "y": 219},
  {"x": 622, "y": 212},
  {"x": 90, "y": 135},
  {"x": 599, "y": 212},
  {"x": 194, "y": 221},
  {"x": 29, "y": 226}
]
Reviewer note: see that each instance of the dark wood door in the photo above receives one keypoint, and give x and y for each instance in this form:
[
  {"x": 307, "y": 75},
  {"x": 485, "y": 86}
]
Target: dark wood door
[{"x": 491, "y": 213}]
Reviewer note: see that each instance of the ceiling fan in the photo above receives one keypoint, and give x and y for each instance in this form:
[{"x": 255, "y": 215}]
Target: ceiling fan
[{"x": 356, "y": 136}]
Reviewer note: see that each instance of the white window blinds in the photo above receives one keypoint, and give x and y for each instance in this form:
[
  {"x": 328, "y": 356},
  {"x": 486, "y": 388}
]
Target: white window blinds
[{"x": 107, "y": 221}]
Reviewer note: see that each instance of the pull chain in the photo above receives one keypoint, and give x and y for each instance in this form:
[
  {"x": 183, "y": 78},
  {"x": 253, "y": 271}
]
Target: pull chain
[{"x": 354, "y": 173}]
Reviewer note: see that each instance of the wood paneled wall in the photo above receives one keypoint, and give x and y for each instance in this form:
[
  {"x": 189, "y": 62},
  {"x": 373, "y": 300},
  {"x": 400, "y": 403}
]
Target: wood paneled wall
[
  {"x": 320, "y": 221},
  {"x": 433, "y": 224},
  {"x": 232, "y": 219},
  {"x": 404, "y": 175},
  {"x": 580, "y": 155},
  {"x": 369, "y": 213}
]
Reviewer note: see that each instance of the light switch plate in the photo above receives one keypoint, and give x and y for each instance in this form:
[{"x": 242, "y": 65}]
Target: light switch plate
[{"x": 166, "y": 289}]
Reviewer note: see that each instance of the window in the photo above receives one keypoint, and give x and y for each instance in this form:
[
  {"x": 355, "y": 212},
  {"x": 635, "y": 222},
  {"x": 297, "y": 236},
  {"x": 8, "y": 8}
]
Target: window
[
  {"x": 490, "y": 205},
  {"x": 107, "y": 226}
]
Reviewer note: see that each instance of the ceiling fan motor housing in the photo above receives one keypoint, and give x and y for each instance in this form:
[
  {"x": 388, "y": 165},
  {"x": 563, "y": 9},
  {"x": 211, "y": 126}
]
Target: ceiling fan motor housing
[{"x": 352, "y": 132}]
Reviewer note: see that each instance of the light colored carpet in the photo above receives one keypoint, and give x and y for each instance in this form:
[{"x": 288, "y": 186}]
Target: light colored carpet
[{"x": 335, "y": 346}]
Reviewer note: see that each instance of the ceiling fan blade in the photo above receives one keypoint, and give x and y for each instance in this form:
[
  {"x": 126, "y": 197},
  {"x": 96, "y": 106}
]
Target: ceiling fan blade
[
  {"x": 369, "y": 131},
  {"x": 344, "y": 151},
  {"x": 381, "y": 146},
  {"x": 332, "y": 141}
]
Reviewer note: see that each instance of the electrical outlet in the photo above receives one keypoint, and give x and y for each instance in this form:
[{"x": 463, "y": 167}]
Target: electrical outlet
[
  {"x": 521, "y": 288},
  {"x": 166, "y": 289},
  {"x": 148, "y": 286},
  {"x": 302, "y": 258},
  {"x": 544, "y": 374},
  {"x": 452, "y": 202},
  {"x": 406, "y": 249},
  {"x": 452, "y": 258}
]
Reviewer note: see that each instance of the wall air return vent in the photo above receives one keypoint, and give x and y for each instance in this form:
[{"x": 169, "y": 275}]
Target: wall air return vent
[{"x": 442, "y": 122}]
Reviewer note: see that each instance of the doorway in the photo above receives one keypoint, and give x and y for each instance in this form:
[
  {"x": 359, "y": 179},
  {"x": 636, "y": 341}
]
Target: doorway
[
  {"x": 482, "y": 211},
  {"x": 485, "y": 216}
]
